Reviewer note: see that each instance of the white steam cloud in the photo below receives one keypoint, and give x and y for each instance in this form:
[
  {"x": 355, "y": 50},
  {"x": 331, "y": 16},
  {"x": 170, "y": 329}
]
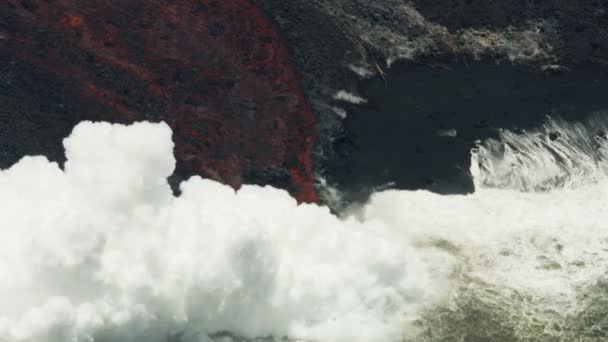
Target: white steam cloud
[{"x": 104, "y": 252}]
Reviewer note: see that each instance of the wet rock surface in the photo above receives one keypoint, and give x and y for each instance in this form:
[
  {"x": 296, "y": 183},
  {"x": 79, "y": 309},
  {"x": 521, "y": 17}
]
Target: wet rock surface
[{"x": 583, "y": 25}]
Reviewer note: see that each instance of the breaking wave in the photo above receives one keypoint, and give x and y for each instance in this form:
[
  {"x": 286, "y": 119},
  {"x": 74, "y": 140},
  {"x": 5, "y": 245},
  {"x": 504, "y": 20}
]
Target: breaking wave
[
  {"x": 559, "y": 155},
  {"x": 103, "y": 251}
]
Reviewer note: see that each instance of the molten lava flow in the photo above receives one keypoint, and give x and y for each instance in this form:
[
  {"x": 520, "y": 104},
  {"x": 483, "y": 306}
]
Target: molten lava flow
[{"x": 215, "y": 71}]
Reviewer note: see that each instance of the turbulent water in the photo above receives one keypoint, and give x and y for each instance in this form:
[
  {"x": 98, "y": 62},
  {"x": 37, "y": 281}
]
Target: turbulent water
[
  {"x": 102, "y": 251},
  {"x": 530, "y": 246}
]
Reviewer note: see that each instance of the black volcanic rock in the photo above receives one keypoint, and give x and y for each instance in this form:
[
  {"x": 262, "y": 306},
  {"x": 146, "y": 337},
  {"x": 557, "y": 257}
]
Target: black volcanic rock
[
  {"x": 222, "y": 74},
  {"x": 553, "y": 54}
]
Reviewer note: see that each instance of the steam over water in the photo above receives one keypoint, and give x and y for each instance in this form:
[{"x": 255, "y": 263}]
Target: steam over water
[{"x": 102, "y": 251}]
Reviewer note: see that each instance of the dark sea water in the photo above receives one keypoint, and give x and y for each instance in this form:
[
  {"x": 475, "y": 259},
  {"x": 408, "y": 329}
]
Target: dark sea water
[{"x": 418, "y": 126}]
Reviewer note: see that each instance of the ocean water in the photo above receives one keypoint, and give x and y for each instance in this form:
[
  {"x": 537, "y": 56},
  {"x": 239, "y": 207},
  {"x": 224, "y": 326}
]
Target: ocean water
[
  {"x": 103, "y": 251},
  {"x": 530, "y": 243}
]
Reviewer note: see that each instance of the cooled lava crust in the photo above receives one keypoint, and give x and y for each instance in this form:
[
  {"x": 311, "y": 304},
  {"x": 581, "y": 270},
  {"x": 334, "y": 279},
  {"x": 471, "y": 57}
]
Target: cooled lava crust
[{"x": 216, "y": 71}]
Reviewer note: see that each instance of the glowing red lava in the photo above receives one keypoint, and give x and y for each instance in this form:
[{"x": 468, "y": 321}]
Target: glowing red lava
[{"x": 216, "y": 71}]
